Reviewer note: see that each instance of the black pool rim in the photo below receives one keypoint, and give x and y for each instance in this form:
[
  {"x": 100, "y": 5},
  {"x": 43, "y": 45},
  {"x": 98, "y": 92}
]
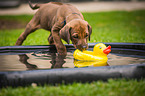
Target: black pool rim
[
  {"x": 70, "y": 75},
  {"x": 121, "y": 48}
]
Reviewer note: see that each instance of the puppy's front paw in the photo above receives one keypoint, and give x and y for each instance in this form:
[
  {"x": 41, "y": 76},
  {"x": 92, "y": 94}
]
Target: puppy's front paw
[{"x": 62, "y": 51}]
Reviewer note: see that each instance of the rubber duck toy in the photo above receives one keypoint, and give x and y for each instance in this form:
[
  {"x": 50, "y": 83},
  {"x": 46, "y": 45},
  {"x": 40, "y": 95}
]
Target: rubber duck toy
[
  {"x": 97, "y": 57},
  {"x": 100, "y": 52}
]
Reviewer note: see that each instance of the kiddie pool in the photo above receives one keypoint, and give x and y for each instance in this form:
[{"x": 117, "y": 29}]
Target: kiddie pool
[{"x": 24, "y": 65}]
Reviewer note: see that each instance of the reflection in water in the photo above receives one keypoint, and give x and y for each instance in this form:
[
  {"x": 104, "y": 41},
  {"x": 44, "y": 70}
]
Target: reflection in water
[
  {"x": 24, "y": 59},
  {"x": 90, "y": 63},
  {"x": 56, "y": 60},
  {"x": 39, "y": 60}
]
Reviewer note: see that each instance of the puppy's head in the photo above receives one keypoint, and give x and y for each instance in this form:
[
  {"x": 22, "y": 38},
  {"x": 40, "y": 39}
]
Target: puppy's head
[{"x": 78, "y": 31}]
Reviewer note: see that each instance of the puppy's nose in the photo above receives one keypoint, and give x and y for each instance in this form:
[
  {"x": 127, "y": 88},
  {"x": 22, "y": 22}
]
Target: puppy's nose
[{"x": 84, "y": 47}]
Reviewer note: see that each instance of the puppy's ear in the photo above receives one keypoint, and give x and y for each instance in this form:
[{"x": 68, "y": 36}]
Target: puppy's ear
[
  {"x": 90, "y": 31},
  {"x": 65, "y": 33}
]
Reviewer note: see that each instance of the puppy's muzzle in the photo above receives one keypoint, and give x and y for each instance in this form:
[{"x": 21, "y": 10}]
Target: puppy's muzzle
[{"x": 82, "y": 47}]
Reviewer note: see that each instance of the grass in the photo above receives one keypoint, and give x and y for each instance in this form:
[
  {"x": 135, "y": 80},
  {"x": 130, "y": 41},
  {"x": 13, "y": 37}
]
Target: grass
[
  {"x": 9, "y": 37},
  {"x": 119, "y": 87},
  {"x": 118, "y": 26}
]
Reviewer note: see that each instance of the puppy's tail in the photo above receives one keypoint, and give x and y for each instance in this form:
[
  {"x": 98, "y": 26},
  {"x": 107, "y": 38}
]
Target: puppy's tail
[{"x": 34, "y": 6}]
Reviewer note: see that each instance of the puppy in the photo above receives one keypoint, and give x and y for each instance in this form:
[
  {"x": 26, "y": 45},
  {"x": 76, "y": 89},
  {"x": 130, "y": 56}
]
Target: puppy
[{"x": 64, "y": 21}]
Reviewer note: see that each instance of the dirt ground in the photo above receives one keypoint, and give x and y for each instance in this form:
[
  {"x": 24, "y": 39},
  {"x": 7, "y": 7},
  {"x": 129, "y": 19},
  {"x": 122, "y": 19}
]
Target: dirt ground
[{"x": 11, "y": 24}]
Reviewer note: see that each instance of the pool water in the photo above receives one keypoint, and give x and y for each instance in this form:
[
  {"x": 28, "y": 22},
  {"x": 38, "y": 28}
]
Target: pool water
[{"x": 38, "y": 60}]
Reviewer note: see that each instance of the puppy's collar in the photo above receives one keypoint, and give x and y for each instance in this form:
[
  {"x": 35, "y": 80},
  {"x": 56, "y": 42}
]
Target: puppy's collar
[{"x": 64, "y": 22}]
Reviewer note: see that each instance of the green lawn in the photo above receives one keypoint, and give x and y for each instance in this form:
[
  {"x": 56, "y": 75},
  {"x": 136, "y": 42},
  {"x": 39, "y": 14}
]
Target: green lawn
[
  {"x": 9, "y": 37},
  {"x": 110, "y": 88},
  {"x": 118, "y": 26}
]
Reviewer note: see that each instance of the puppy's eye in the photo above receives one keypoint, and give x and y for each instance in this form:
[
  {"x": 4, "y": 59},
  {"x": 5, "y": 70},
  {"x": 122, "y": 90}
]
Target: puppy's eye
[
  {"x": 75, "y": 36},
  {"x": 86, "y": 35}
]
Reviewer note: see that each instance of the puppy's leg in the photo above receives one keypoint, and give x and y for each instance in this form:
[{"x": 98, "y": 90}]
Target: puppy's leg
[
  {"x": 50, "y": 39},
  {"x": 61, "y": 49},
  {"x": 31, "y": 27}
]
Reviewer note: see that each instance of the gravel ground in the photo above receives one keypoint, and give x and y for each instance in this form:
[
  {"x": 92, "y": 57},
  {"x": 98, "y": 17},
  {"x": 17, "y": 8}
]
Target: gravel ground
[{"x": 83, "y": 7}]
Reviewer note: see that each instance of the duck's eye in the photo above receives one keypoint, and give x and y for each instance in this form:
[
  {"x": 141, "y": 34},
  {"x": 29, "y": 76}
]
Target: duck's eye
[{"x": 100, "y": 47}]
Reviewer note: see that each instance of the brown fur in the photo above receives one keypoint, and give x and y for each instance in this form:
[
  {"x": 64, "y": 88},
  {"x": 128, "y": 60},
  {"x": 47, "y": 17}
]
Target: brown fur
[{"x": 51, "y": 17}]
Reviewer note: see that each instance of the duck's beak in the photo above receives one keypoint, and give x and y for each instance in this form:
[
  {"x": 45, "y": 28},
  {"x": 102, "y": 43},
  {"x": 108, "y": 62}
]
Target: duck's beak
[{"x": 107, "y": 50}]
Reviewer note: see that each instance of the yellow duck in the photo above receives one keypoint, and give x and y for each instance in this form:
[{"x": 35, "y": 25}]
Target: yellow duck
[
  {"x": 96, "y": 58},
  {"x": 100, "y": 52}
]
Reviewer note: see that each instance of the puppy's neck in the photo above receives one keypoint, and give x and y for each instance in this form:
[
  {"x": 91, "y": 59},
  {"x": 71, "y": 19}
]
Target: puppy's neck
[{"x": 72, "y": 16}]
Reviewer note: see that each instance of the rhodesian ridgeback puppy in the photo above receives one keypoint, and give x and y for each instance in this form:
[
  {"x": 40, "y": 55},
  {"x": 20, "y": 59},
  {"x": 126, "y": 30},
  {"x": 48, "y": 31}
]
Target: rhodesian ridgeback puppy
[{"x": 64, "y": 21}]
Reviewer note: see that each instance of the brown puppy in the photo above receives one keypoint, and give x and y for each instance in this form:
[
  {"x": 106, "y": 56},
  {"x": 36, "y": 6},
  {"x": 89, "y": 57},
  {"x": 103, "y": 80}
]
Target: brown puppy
[{"x": 64, "y": 21}]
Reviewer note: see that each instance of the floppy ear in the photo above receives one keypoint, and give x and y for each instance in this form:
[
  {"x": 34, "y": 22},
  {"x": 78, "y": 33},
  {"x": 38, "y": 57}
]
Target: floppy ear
[
  {"x": 65, "y": 33},
  {"x": 90, "y": 31}
]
